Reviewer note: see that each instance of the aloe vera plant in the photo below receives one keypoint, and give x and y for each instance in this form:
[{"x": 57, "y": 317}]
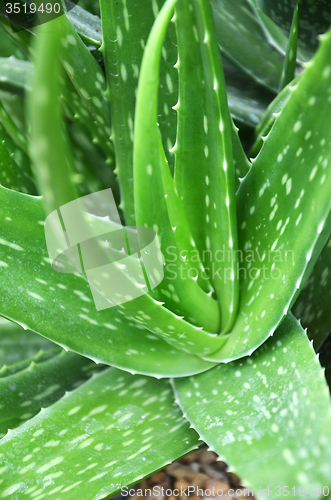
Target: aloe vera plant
[{"x": 214, "y": 351}]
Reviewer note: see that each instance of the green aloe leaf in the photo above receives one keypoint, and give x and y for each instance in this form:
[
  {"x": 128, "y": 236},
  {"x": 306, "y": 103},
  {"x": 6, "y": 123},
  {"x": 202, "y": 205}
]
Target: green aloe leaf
[
  {"x": 205, "y": 175},
  {"x": 276, "y": 37},
  {"x": 273, "y": 407},
  {"x": 269, "y": 118},
  {"x": 60, "y": 306},
  {"x": 247, "y": 48},
  {"x": 283, "y": 207},
  {"x": 85, "y": 72},
  {"x": 17, "y": 344},
  {"x": 39, "y": 385},
  {"x": 125, "y": 31},
  {"x": 312, "y": 305},
  {"x": 157, "y": 204},
  {"x": 48, "y": 151},
  {"x": 289, "y": 67},
  {"x": 109, "y": 433}
]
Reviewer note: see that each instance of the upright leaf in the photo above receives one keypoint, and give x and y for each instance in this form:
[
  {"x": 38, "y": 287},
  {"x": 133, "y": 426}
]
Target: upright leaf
[
  {"x": 125, "y": 31},
  {"x": 283, "y": 207},
  {"x": 244, "y": 42},
  {"x": 60, "y": 306}
]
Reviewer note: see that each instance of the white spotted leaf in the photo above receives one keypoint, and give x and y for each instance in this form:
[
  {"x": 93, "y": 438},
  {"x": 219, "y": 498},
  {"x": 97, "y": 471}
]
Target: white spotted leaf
[
  {"x": 109, "y": 433},
  {"x": 273, "y": 407},
  {"x": 283, "y": 207},
  {"x": 125, "y": 31},
  {"x": 204, "y": 171},
  {"x": 17, "y": 344}
]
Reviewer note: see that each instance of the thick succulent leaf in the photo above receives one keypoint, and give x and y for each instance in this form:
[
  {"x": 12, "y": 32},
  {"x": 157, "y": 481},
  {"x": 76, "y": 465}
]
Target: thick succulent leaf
[
  {"x": 247, "y": 48},
  {"x": 325, "y": 359},
  {"x": 80, "y": 115},
  {"x": 17, "y": 344},
  {"x": 52, "y": 166},
  {"x": 111, "y": 432},
  {"x": 60, "y": 306},
  {"x": 24, "y": 393},
  {"x": 157, "y": 204},
  {"x": 315, "y": 18},
  {"x": 312, "y": 306},
  {"x": 125, "y": 32},
  {"x": 289, "y": 67},
  {"x": 204, "y": 172},
  {"x": 283, "y": 207},
  {"x": 273, "y": 407},
  {"x": 14, "y": 73}
]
